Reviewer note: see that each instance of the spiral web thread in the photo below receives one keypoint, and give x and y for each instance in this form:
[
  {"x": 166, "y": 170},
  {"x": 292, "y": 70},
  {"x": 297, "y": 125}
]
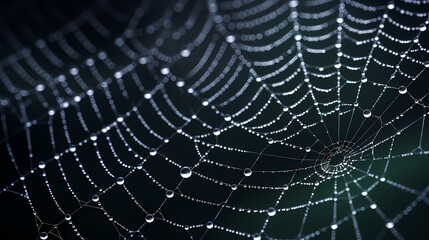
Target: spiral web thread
[{"x": 306, "y": 82}]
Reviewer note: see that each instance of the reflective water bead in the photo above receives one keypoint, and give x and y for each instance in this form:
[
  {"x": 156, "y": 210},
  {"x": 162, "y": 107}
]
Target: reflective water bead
[
  {"x": 256, "y": 236},
  {"x": 165, "y": 70},
  {"x": 185, "y": 53},
  {"x": 169, "y": 193},
  {"x": 209, "y": 224},
  {"x": 402, "y": 90},
  {"x": 120, "y": 180},
  {"x": 247, "y": 172},
  {"x": 216, "y": 131},
  {"x": 366, "y": 113},
  {"x": 95, "y": 198},
  {"x": 152, "y": 152},
  {"x": 185, "y": 172},
  {"x": 42, "y": 165},
  {"x": 230, "y": 38},
  {"x": 390, "y": 225},
  {"x": 271, "y": 211},
  {"x": 43, "y": 235},
  {"x": 147, "y": 95},
  {"x": 149, "y": 218}
]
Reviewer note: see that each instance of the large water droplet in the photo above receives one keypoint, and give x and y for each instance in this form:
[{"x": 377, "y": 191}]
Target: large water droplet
[
  {"x": 366, "y": 113},
  {"x": 185, "y": 172},
  {"x": 247, "y": 172}
]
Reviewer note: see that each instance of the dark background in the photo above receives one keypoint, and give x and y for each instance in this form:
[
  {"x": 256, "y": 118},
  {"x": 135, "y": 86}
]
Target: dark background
[{"x": 24, "y": 23}]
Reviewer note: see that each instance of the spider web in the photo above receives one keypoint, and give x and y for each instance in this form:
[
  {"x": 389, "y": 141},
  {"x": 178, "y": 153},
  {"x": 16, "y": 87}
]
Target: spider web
[{"x": 215, "y": 120}]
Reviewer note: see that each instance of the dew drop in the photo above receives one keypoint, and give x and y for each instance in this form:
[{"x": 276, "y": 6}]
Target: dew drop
[
  {"x": 120, "y": 180},
  {"x": 247, "y": 172},
  {"x": 169, "y": 193},
  {"x": 402, "y": 90},
  {"x": 42, "y": 165},
  {"x": 256, "y": 236},
  {"x": 147, "y": 95},
  {"x": 149, "y": 218},
  {"x": 230, "y": 38},
  {"x": 165, "y": 70},
  {"x": 185, "y": 172},
  {"x": 271, "y": 211},
  {"x": 185, "y": 53},
  {"x": 43, "y": 235},
  {"x": 216, "y": 131},
  {"x": 366, "y": 113},
  {"x": 152, "y": 152},
  {"x": 95, "y": 198}
]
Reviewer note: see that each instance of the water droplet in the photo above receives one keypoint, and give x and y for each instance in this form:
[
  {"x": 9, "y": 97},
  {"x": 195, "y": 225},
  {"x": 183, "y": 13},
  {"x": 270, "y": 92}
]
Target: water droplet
[
  {"x": 256, "y": 236},
  {"x": 147, "y": 95},
  {"x": 366, "y": 113},
  {"x": 230, "y": 38},
  {"x": 42, "y": 165},
  {"x": 216, "y": 131},
  {"x": 307, "y": 149},
  {"x": 285, "y": 187},
  {"x": 390, "y": 225},
  {"x": 95, "y": 198},
  {"x": 72, "y": 148},
  {"x": 293, "y": 4},
  {"x": 402, "y": 90},
  {"x": 142, "y": 60},
  {"x": 169, "y": 194},
  {"x": 43, "y": 235},
  {"x": 93, "y": 137},
  {"x": 233, "y": 187},
  {"x": 185, "y": 53},
  {"x": 120, "y": 180},
  {"x": 185, "y": 172},
  {"x": 209, "y": 224},
  {"x": 67, "y": 217},
  {"x": 149, "y": 218},
  {"x": 271, "y": 211},
  {"x": 247, "y": 172},
  {"x": 152, "y": 152},
  {"x": 334, "y": 226},
  {"x": 373, "y": 206},
  {"x": 40, "y": 87},
  {"x": 165, "y": 70}
]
